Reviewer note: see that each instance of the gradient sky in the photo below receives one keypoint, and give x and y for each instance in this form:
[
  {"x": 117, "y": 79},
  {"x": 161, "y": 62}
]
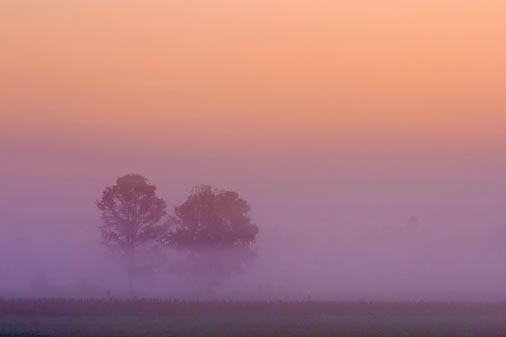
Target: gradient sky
[{"x": 359, "y": 112}]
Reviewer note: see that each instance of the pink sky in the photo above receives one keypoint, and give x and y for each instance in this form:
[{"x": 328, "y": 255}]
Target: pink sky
[
  {"x": 251, "y": 92},
  {"x": 352, "y": 113}
]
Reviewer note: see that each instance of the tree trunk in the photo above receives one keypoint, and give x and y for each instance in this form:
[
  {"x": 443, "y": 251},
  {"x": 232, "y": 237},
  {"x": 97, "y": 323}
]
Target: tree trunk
[{"x": 130, "y": 270}]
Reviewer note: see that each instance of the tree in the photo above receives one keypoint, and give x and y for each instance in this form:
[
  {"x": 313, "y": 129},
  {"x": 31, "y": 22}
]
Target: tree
[
  {"x": 131, "y": 215},
  {"x": 214, "y": 226}
]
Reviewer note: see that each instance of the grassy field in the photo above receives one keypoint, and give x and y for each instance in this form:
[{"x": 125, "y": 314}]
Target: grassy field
[{"x": 56, "y": 317}]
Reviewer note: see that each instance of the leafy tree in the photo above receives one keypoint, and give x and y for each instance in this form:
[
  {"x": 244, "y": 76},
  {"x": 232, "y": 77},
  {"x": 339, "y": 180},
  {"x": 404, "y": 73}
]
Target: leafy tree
[
  {"x": 214, "y": 226},
  {"x": 131, "y": 215}
]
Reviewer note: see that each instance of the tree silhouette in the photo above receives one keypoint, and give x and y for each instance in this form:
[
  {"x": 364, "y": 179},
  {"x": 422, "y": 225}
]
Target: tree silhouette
[
  {"x": 131, "y": 215},
  {"x": 215, "y": 227}
]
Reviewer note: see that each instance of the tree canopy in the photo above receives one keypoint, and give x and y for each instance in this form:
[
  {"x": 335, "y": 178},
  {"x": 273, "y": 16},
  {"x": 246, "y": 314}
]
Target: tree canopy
[
  {"x": 212, "y": 226},
  {"x": 212, "y": 218},
  {"x": 131, "y": 213}
]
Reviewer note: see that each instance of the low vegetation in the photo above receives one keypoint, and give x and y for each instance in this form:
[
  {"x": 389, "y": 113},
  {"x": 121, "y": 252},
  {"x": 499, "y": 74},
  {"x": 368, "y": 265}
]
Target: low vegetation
[{"x": 151, "y": 317}]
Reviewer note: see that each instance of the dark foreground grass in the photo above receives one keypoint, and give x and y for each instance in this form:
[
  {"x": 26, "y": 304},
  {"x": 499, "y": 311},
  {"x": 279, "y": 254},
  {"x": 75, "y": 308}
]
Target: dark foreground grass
[{"x": 56, "y": 317}]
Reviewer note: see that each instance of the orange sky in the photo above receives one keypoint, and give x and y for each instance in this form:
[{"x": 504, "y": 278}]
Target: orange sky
[
  {"x": 328, "y": 116},
  {"x": 319, "y": 64},
  {"x": 259, "y": 76},
  {"x": 396, "y": 104}
]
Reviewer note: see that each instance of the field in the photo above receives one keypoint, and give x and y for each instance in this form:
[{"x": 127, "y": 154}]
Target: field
[{"x": 57, "y": 317}]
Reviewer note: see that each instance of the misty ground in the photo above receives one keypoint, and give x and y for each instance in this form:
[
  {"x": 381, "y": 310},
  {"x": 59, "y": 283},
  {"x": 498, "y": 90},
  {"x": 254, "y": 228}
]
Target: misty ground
[{"x": 111, "y": 317}]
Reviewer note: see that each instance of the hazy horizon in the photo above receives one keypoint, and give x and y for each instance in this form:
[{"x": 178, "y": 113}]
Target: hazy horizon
[{"x": 336, "y": 121}]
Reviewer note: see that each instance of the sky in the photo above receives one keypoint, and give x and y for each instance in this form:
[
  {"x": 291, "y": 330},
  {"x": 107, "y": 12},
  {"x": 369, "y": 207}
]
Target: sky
[{"x": 329, "y": 117}]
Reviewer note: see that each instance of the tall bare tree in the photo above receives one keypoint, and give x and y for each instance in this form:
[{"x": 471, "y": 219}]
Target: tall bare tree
[{"x": 132, "y": 217}]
